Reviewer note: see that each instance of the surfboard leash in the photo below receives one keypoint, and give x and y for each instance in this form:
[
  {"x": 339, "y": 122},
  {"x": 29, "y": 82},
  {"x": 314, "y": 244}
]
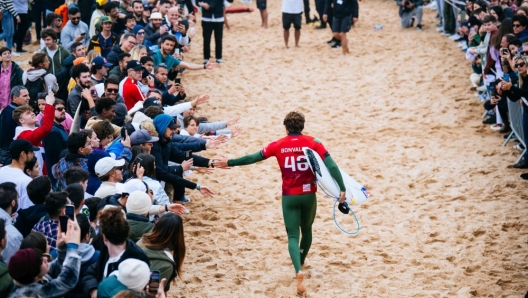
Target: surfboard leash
[{"x": 344, "y": 207}]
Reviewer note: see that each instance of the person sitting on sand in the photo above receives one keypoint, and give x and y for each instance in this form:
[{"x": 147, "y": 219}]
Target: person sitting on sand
[{"x": 299, "y": 203}]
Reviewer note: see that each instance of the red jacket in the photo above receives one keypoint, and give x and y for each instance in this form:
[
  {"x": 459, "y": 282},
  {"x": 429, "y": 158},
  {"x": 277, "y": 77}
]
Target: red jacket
[
  {"x": 36, "y": 135},
  {"x": 131, "y": 93}
]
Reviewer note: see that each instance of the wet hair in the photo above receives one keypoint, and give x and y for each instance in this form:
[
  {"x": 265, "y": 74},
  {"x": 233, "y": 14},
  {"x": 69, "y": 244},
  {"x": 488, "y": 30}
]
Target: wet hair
[
  {"x": 77, "y": 140},
  {"x": 76, "y": 175},
  {"x": 92, "y": 203},
  {"x": 294, "y": 121},
  {"x": 104, "y": 103},
  {"x": 28, "y": 166},
  {"x": 153, "y": 111},
  {"x": 75, "y": 193},
  {"x": 167, "y": 234},
  {"x": 113, "y": 225},
  {"x": 103, "y": 129},
  {"x": 35, "y": 240},
  {"x": 38, "y": 189},
  {"x": 55, "y": 201},
  {"x": 19, "y": 111},
  {"x": 38, "y": 59},
  {"x": 8, "y": 194}
]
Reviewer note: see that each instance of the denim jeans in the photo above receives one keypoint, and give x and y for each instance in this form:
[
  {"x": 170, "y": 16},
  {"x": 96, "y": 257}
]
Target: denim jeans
[{"x": 9, "y": 29}]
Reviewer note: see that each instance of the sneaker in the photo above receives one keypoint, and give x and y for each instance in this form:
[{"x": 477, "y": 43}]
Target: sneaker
[
  {"x": 337, "y": 45},
  {"x": 482, "y": 88},
  {"x": 320, "y": 27},
  {"x": 454, "y": 36},
  {"x": 497, "y": 127},
  {"x": 412, "y": 22},
  {"x": 459, "y": 40},
  {"x": 21, "y": 52},
  {"x": 331, "y": 41},
  {"x": 519, "y": 147},
  {"x": 185, "y": 200},
  {"x": 219, "y": 61},
  {"x": 419, "y": 27},
  {"x": 206, "y": 61},
  {"x": 440, "y": 29},
  {"x": 186, "y": 211},
  {"x": 490, "y": 120}
]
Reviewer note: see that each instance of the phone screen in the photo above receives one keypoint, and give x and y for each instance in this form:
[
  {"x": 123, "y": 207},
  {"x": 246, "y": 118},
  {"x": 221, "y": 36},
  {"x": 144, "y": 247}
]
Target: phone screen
[
  {"x": 70, "y": 211},
  {"x": 154, "y": 281},
  {"x": 63, "y": 221},
  {"x": 177, "y": 80}
]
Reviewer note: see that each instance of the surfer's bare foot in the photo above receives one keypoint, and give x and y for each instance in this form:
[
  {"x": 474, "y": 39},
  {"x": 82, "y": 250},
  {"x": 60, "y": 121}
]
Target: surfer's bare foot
[
  {"x": 305, "y": 265},
  {"x": 301, "y": 289}
]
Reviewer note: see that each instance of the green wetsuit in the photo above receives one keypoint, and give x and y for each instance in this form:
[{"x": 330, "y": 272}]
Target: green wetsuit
[{"x": 298, "y": 210}]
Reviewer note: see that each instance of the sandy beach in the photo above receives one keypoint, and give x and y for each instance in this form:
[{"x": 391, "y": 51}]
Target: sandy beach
[{"x": 446, "y": 214}]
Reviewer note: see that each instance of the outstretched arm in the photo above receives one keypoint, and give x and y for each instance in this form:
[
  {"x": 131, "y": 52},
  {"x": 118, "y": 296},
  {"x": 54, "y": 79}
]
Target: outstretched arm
[{"x": 241, "y": 161}]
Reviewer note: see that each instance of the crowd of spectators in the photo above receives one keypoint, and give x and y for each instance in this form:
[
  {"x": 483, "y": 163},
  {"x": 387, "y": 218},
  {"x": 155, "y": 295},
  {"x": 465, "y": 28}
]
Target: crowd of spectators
[
  {"x": 94, "y": 172},
  {"x": 494, "y": 38}
]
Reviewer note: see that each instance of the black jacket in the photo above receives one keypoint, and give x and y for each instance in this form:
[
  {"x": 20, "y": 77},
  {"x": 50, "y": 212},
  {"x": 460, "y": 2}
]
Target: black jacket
[
  {"x": 28, "y": 217},
  {"x": 216, "y": 9},
  {"x": 151, "y": 34},
  {"x": 346, "y": 8},
  {"x": 94, "y": 274},
  {"x": 113, "y": 56},
  {"x": 162, "y": 153}
]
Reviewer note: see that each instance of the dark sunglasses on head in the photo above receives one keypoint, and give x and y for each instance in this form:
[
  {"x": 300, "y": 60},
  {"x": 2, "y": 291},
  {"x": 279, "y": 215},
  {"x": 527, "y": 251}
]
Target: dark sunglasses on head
[
  {"x": 60, "y": 109},
  {"x": 112, "y": 90},
  {"x": 522, "y": 64}
]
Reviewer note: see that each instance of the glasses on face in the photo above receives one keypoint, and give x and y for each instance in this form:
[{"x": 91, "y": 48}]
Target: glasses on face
[
  {"x": 47, "y": 256},
  {"x": 141, "y": 33},
  {"x": 132, "y": 43},
  {"x": 517, "y": 25},
  {"x": 522, "y": 64},
  {"x": 112, "y": 90},
  {"x": 60, "y": 109},
  {"x": 75, "y": 19}
]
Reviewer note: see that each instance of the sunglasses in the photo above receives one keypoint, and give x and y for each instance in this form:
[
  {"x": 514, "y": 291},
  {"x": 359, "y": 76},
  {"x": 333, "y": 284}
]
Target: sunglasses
[
  {"x": 141, "y": 33},
  {"x": 525, "y": 53},
  {"x": 60, "y": 109},
  {"x": 517, "y": 25},
  {"x": 522, "y": 64},
  {"x": 112, "y": 90},
  {"x": 75, "y": 19}
]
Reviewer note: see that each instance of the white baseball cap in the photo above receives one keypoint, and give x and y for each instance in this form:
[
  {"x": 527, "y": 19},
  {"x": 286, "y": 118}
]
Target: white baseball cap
[{"x": 106, "y": 164}]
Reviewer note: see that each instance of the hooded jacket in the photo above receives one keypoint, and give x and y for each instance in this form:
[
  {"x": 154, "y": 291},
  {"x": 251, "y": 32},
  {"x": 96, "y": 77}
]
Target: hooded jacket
[
  {"x": 159, "y": 260},
  {"x": 14, "y": 238},
  {"x": 139, "y": 225},
  {"x": 28, "y": 217},
  {"x": 63, "y": 77},
  {"x": 113, "y": 56},
  {"x": 57, "y": 59},
  {"x": 54, "y": 143}
]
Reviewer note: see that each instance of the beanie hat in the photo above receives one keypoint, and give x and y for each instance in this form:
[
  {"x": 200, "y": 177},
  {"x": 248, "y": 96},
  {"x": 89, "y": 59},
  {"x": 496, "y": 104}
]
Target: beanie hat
[
  {"x": 162, "y": 122},
  {"x": 134, "y": 274},
  {"x": 137, "y": 28},
  {"x": 23, "y": 266},
  {"x": 138, "y": 203}
]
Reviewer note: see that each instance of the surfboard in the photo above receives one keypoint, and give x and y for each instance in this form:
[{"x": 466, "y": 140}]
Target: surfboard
[{"x": 355, "y": 192}]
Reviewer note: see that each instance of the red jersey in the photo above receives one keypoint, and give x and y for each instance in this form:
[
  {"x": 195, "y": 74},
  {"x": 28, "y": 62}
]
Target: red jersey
[
  {"x": 131, "y": 93},
  {"x": 297, "y": 177}
]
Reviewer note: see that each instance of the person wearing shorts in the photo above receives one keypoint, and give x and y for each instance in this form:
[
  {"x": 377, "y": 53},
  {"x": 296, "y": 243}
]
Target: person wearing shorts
[
  {"x": 299, "y": 202},
  {"x": 345, "y": 16},
  {"x": 291, "y": 14},
  {"x": 261, "y": 5}
]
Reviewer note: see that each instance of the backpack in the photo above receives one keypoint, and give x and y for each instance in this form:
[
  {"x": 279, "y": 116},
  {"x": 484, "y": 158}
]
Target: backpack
[{"x": 33, "y": 89}]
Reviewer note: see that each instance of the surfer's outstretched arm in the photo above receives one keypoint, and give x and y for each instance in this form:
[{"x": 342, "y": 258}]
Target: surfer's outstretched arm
[
  {"x": 334, "y": 172},
  {"x": 246, "y": 159},
  {"x": 241, "y": 161}
]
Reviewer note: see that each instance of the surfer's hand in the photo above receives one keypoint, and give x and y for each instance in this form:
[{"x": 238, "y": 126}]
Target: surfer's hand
[
  {"x": 220, "y": 162},
  {"x": 342, "y": 197}
]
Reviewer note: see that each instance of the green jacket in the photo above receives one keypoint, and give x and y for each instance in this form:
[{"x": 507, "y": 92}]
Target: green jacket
[
  {"x": 57, "y": 60},
  {"x": 139, "y": 225},
  {"x": 109, "y": 287},
  {"x": 160, "y": 261},
  {"x": 6, "y": 282}
]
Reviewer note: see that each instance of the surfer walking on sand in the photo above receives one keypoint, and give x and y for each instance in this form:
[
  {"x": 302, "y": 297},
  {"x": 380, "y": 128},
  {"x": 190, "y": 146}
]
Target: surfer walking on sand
[{"x": 299, "y": 202}]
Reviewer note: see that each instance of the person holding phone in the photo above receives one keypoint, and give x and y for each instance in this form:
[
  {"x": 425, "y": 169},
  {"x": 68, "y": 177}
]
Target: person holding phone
[
  {"x": 56, "y": 206},
  {"x": 299, "y": 203},
  {"x": 75, "y": 30}
]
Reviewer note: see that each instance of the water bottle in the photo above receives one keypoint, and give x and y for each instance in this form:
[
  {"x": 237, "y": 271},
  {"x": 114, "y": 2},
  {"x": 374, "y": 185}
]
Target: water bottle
[{"x": 378, "y": 27}]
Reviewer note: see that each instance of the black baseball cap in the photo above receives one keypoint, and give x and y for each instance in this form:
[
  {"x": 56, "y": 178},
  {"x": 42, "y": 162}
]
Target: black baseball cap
[
  {"x": 133, "y": 64},
  {"x": 151, "y": 101},
  {"x": 19, "y": 146}
]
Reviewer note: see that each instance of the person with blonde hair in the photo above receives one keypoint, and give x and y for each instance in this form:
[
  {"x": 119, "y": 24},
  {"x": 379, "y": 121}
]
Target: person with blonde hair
[
  {"x": 138, "y": 52},
  {"x": 299, "y": 202}
]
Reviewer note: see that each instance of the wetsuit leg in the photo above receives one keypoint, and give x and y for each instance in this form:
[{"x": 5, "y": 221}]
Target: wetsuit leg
[{"x": 299, "y": 214}]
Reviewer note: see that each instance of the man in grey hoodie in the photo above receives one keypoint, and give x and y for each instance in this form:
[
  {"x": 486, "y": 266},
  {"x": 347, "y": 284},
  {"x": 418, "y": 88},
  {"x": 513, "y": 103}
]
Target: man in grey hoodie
[{"x": 75, "y": 30}]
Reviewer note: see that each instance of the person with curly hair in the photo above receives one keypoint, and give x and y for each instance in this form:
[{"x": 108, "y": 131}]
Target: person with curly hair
[
  {"x": 104, "y": 132},
  {"x": 299, "y": 203}
]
